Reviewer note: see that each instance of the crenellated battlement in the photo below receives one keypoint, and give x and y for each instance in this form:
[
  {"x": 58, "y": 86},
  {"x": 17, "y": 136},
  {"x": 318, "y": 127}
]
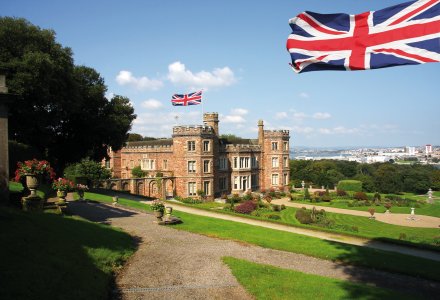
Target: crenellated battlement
[
  {"x": 192, "y": 130},
  {"x": 276, "y": 133},
  {"x": 242, "y": 148},
  {"x": 142, "y": 148}
]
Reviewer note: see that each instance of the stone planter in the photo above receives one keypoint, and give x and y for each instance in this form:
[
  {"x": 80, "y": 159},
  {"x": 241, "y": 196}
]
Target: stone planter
[
  {"x": 32, "y": 182},
  {"x": 158, "y": 214},
  {"x": 61, "y": 195}
]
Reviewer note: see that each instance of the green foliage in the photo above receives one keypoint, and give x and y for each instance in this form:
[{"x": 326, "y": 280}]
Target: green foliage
[
  {"x": 134, "y": 137},
  {"x": 61, "y": 110},
  {"x": 360, "y": 196},
  {"x": 350, "y": 185},
  {"x": 137, "y": 172},
  {"x": 90, "y": 170},
  {"x": 306, "y": 194},
  {"x": 268, "y": 282}
]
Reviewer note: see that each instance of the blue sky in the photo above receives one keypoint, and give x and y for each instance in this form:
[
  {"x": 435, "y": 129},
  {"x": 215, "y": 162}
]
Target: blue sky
[{"x": 235, "y": 50}]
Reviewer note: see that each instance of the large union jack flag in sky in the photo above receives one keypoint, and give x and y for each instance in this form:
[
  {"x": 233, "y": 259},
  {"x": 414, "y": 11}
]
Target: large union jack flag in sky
[
  {"x": 187, "y": 99},
  {"x": 404, "y": 34}
]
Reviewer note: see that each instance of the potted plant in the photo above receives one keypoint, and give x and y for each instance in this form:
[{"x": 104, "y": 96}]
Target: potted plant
[
  {"x": 62, "y": 186},
  {"x": 158, "y": 208},
  {"x": 372, "y": 211},
  {"x": 33, "y": 170},
  {"x": 80, "y": 189},
  {"x": 388, "y": 205}
]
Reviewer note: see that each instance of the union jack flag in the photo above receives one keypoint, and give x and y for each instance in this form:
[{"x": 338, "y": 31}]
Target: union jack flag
[
  {"x": 404, "y": 34},
  {"x": 187, "y": 99}
]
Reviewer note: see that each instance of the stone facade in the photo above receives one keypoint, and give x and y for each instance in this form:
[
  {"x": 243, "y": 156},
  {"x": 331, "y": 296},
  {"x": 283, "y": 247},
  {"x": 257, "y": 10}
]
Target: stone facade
[{"x": 195, "y": 159}]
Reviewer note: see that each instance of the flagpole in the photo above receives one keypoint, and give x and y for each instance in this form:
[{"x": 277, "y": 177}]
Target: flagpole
[{"x": 203, "y": 100}]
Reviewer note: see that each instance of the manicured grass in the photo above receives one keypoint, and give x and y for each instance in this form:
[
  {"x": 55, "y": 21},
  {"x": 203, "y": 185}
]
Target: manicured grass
[
  {"x": 286, "y": 241},
  {"x": 426, "y": 209},
  {"x": 48, "y": 256},
  {"x": 267, "y": 282},
  {"x": 15, "y": 187},
  {"x": 43, "y": 189},
  {"x": 369, "y": 228},
  {"x": 270, "y": 238}
]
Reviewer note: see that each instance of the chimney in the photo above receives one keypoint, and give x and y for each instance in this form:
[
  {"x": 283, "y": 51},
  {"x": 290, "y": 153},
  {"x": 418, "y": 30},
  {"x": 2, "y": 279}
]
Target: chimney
[{"x": 260, "y": 132}]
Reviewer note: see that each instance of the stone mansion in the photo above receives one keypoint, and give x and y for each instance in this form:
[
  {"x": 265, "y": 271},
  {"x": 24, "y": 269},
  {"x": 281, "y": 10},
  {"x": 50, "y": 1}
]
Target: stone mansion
[{"x": 196, "y": 159}]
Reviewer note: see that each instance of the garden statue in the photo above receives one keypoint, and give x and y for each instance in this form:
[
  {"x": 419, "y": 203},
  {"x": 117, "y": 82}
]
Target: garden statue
[
  {"x": 430, "y": 196},
  {"x": 303, "y": 184}
]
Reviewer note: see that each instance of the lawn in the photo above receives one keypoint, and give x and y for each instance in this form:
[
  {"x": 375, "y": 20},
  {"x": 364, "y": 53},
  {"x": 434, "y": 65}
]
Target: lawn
[
  {"x": 280, "y": 240},
  {"x": 267, "y": 282},
  {"x": 425, "y": 209},
  {"x": 48, "y": 256}
]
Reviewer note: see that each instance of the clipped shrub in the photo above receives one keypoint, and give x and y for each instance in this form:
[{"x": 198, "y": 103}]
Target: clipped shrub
[
  {"x": 283, "y": 207},
  {"x": 377, "y": 196},
  {"x": 191, "y": 201},
  {"x": 402, "y": 236},
  {"x": 303, "y": 216},
  {"x": 326, "y": 198},
  {"x": 360, "y": 196},
  {"x": 246, "y": 207},
  {"x": 273, "y": 217},
  {"x": 247, "y": 196},
  {"x": 350, "y": 185},
  {"x": 388, "y": 205},
  {"x": 341, "y": 193}
]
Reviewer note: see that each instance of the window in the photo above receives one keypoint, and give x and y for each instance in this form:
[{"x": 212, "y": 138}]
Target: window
[
  {"x": 286, "y": 162},
  {"x": 242, "y": 183},
  {"x": 274, "y": 179},
  {"x": 124, "y": 163},
  {"x": 206, "y": 146},
  {"x": 254, "y": 162},
  {"x": 191, "y": 146},
  {"x": 206, "y": 189},
  {"x": 148, "y": 164},
  {"x": 223, "y": 163},
  {"x": 254, "y": 180},
  {"x": 286, "y": 146},
  {"x": 274, "y": 162},
  {"x": 235, "y": 182},
  {"x": 165, "y": 164},
  {"x": 206, "y": 166},
  {"x": 222, "y": 183},
  {"x": 286, "y": 179},
  {"x": 274, "y": 145},
  {"x": 235, "y": 162},
  {"x": 244, "y": 162},
  {"x": 131, "y": 164},
  {"x": 191, "y": 189},
  {"x": 107, "y": 163},
  {"x": 191, "y": 166}
]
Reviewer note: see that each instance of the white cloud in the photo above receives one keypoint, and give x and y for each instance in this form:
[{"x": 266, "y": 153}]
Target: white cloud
[
  {"x": 141, "y": 83},
  {"x": 304, "y": 95},
  {"x": 321, "y": 116},
  {"x": 339, "y": 130},
  {"x": 219, "y": 77},
  {"x": 299, "y": 116},
  {"x": 239, "y": 111},
  {"x": 281, "y": 115},
  {"x": 152, "y": 104},
  {"x": 233, "y": 119},
  {"x": 302, "y": 130}
]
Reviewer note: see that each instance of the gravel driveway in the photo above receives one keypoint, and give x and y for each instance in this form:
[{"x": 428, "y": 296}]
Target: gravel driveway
[{"x": 173, "y": 264}]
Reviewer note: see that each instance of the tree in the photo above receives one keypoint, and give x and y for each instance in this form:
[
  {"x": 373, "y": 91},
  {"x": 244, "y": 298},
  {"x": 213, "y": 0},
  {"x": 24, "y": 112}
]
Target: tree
[
  {"x": 90, "y": 170},
  {"x": 61, "y": 110},
  {"x": 137, "y": 172},
  {"x": 134, "y": 137},
  {"x": 388, "y": 179}
]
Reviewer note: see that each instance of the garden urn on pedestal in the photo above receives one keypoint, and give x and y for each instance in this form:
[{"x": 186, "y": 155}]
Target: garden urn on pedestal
[{"x": 32, "y": 182}]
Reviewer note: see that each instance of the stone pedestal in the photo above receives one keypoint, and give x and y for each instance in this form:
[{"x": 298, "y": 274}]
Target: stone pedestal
[{"x": 32, "y": 203}]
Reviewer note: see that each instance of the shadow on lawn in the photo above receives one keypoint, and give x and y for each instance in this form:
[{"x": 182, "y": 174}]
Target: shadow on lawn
[
  {"x": 407, "y": 285},
  {"x": 97, "y": 212},
  {"x": 46, "y": 256}
]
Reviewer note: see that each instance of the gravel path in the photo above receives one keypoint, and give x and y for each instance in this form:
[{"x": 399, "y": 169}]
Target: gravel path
[
  {"x": 173, "y": 264},
  {"x": 391, "y": 218}
]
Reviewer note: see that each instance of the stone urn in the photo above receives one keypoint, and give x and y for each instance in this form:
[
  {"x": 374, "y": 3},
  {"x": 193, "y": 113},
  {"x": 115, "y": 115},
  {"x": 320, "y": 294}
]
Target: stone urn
[
  {"x": 32, "y": 182},
  {"x": 61, "y": 195},
  {"x": 158, "y": 214}
]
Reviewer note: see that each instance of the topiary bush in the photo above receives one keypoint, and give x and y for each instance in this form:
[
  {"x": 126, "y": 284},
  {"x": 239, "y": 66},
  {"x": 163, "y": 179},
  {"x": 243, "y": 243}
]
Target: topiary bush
[
  {"x": 273, "y": 217},
  {"x": 360, "y": 196},
  {"x": 303, "y": 216},
  {"x": 246, "y": 207},
  {"x": 350, "y": 185},
  {"x": 341, "y": 193}
]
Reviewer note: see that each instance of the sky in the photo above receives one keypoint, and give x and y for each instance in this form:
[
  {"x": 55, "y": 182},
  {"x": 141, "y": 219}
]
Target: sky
[{"x": 236, "y": 52}]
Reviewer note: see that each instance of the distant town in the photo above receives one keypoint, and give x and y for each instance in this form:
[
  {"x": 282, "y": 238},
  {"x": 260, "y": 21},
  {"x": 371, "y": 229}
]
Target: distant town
[{"x": 426, "y": 154}]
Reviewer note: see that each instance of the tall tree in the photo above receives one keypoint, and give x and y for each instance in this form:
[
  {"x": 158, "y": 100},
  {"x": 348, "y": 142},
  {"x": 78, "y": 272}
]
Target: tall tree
[{"x": 61, "y": 109}]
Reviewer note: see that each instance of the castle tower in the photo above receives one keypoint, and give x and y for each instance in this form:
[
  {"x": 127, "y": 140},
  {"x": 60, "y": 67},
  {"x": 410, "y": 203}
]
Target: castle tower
[
  {"x": 211, "y": 119},
  {"x": 260, "y": 132}
]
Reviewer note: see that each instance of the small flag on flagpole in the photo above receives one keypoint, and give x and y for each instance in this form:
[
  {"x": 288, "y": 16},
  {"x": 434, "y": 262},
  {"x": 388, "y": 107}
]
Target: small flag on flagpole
[{"x": 187, "y": 99}]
